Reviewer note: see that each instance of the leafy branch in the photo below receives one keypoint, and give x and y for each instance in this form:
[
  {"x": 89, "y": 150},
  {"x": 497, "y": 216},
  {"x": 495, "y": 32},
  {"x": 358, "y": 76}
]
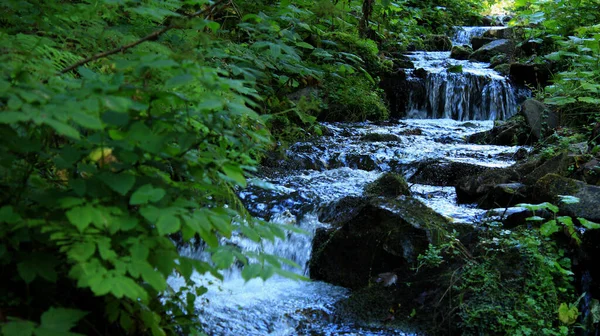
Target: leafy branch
[{"x": 152, "y": 36}]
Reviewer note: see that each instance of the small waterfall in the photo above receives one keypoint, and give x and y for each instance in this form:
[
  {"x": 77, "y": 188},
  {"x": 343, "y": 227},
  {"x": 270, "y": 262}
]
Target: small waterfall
[
  {"x": 476, "y": 93},
  {"x": 463, "y": 35}
]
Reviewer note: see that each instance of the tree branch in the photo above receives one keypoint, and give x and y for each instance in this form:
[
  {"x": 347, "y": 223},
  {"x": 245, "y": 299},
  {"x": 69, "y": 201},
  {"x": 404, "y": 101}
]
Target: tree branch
[{"x": 151, "y": 36}]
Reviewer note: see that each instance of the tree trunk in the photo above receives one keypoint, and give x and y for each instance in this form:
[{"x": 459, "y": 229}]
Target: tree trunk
[{"x": 367, "y": 9}]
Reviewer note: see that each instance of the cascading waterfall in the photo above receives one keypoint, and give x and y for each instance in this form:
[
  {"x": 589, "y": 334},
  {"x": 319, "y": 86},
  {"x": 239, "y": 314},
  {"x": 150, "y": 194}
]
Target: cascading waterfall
[
  {"x": 463, "y": 35},
  {"x": 473, "y": 93}
]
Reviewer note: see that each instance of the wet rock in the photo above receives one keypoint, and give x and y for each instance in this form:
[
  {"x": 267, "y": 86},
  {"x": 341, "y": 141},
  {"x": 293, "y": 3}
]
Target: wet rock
[
  {"x": 388, "y": 185},
  {"x": 490, "y": 21},
  {"x": 559, "y": 164},
  {"x": 361, "y": 161},
  {"x": 412, "y": 131},
  {"x": 498, "y": 59},
  {"x": 402, "y": 62},
  {"x": 420, "y": 73},
  {"x": 529, "y": 48},
  {"x": 594, "y": 139},
  {"x": 512, "y": 217},
  {"x": 512, "y": 132},
  {"x": 503, "y": 69},
  {"x": 398, "y": 89},
  {"x": 342, "y": 210},
  {"x": 502, "y": 33},
  {"x": 536, "y": 75},
  {"x": 478, "y": 42},
  {"x": 475, "y": 188},
  {"x": 549, "y": 187},
  {"x": 486, "y": 52},
  {"x": 382, "y": 236},
  {"x": 437, "y": 43},
  {"x": 504, "y": 195},
  {"x": 460, "y": 52},
  {"x": 539, "y": 118},
  {"x": 444, "y": 173},
  {"x": 380, "y": 137}
]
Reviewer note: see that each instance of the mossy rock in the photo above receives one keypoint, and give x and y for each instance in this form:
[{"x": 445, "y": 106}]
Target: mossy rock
[
  {"x": 503, "y": 69},
  {"x": 513, "y": 132},
  {"x": 380, "y": 236},
  {"x": 460, "y": 52},
  {"x": 550, "y": 187},
  {"x": 388, "y": 185}
]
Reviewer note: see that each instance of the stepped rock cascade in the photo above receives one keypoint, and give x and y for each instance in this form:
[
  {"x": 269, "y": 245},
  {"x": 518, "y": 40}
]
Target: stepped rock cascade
[
  {"x": 463, "y": 35},
  {"x": 477, "y": 93},
  {"x": 317, "y": 172}
]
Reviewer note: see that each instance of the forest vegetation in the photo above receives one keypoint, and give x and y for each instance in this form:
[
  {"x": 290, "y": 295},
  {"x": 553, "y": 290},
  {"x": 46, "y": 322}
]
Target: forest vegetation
[{"x": 127, "y": 126}]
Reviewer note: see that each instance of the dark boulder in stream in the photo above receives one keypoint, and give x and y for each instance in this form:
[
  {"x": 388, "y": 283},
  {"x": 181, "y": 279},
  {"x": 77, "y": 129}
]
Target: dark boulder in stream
[
  {"x": 497, "y": 47},
  {"x": 376, "y": 236},
  {"x": 550, "y": 187},
  {"x": 444, "y": 173},
  {"x": 512, "y": 132}
]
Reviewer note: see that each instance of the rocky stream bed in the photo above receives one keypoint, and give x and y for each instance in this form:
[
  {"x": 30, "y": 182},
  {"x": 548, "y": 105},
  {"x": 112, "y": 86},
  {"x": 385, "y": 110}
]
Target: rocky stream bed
[{"x": 359, "y": 230}]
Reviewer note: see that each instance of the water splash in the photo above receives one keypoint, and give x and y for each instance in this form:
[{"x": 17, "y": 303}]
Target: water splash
[
  {"x": 463, "y": 35},
  {"x": 476, "y": 93}
]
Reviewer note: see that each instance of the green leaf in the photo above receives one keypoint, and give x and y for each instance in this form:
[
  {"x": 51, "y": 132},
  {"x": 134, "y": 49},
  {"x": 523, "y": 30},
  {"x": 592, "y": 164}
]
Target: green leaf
[
  {"x": 27, "y": 271},
  {"x": 147, "y": 193},
  {"x": 168, "y": 224},
  {"x": 566, "y": 220},
  {"x": 568, "y": 199},
  {"x": 179, "y": 81},
  {"x": 251, "y": 271},
  {"x": 567, "y": 315},
  {"x": 235, "y": 173},
  {"x": 304, "y": 45},
  {"x": 8, "y": 117},
  {"x": 82, "y": 251},
  {"x": 80, "y": 216},
  {"x": 87, "y": 121},
  {"x": 63, "y": 128},
  {"x": 121, "y": 183},
  {"x": 549, "y": 228},
  {"x": 18, "y": 328},
  {"x": 60, "y": 319},
  {"x": 153, "y": 277},
  {"x": 588, "y": 224},
  {"x": 223, "y": 258}
]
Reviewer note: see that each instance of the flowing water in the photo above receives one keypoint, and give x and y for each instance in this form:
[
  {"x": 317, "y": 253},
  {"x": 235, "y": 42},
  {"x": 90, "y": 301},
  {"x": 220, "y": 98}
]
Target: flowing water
[{"x": 341, "y": 164}]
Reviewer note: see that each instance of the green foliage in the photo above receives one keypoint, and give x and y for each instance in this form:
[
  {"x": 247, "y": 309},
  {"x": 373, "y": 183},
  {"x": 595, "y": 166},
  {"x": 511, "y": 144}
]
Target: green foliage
[
  {"x": 570, "y": 37},
  {"x": 565, "y": 224},
  {"x": 102, "y": 169},
  {"x": 353, "y": 99},
  {"x": 514, "y": 285}
]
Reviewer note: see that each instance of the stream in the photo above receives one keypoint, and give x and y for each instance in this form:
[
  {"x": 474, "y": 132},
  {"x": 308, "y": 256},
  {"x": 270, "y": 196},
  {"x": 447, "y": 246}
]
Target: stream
[{"x": 340, "y": 164}]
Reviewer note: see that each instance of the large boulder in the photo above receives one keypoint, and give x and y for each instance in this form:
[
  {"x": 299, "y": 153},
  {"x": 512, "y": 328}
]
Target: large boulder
[
  {"x": 538, "y": 117},
  {"x": 444, "y": 173},
  {"x": 497, "y": 47},
  {"x": 478, "y": 42},
  {"x": 388, "y": 185},
  {"x": 550, "y": 187},
  {"x": 437, "y": 43},
  {"x": 475, "y": 188},
  {"x": 399, "y": 88},
  {"x": 500, "y": 33},
  {"x": 380, "y": 236},
  {"x": 512, "y": 132},
  {"x": 536, "y": 75},
  {"x": 560, "y": 164},
  {"x": 460, "y": 52}
]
